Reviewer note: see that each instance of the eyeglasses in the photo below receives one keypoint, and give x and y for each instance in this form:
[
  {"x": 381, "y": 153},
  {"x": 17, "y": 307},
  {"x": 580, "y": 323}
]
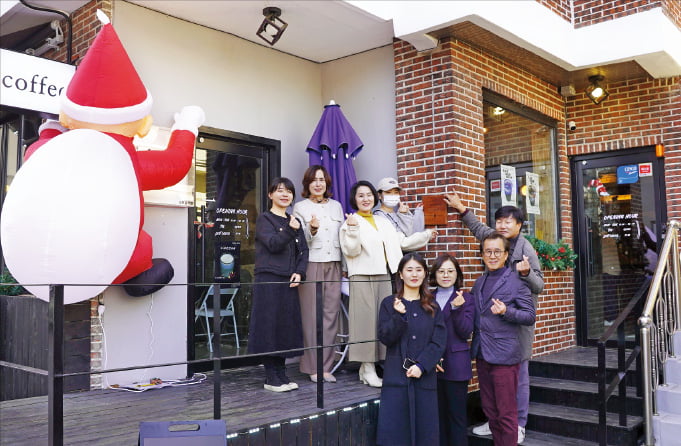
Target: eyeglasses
[
  {"x": 449, "y": 272},
  {"x": 493, "y": 253}
]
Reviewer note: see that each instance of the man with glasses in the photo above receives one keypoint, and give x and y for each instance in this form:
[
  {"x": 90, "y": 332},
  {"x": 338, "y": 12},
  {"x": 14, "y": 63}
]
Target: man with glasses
[
  {"x": 504, "y": 304},
  {"x": 522, "y": 258}
]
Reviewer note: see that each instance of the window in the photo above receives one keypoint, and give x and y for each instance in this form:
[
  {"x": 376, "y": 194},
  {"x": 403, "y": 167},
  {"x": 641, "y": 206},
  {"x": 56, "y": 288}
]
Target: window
[{"x": 525, "y": 141}]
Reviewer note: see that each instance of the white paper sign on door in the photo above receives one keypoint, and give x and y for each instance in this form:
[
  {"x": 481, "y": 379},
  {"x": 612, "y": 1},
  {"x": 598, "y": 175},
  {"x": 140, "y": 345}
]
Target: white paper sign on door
[
  {"x": 508, "y": 186},
  {"x": 532, "y": 197}
]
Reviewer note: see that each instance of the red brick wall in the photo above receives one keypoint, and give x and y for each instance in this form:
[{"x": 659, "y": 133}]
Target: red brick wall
[
  {"x": 637, "y": 113},
  {"x": 561, "y": 7},
  {"x": 440, "y": 144},
  {"x": 590, "y": 12},
  {"x": 672, "y": 9}
]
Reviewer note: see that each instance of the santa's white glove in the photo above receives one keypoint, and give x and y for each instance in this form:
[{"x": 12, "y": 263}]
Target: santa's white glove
[
  {"x": 51, "y": 124},
  {"x": 191, "y": 117}
]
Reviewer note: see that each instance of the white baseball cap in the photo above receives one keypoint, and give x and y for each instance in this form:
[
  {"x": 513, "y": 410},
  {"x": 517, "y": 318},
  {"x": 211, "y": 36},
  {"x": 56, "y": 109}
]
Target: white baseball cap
[{"x": 387, "y": 184}]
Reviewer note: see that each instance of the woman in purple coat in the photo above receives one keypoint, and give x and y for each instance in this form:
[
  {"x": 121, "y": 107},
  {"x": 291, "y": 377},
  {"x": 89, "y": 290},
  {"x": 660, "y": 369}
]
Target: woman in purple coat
[{"x": 455, "y": 369}]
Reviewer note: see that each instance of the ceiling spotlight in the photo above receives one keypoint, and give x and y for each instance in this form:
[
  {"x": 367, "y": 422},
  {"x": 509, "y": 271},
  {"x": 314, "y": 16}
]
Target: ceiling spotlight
[
  {"x": 272, "y": 27},
  {"x": 595, "y": 91}
]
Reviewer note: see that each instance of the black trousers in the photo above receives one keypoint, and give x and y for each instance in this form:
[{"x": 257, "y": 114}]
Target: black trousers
[{"x": 452, "y": 397}]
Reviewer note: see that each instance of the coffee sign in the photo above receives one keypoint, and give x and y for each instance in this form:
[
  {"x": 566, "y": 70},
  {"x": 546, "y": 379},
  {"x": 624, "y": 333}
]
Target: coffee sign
[{"x": 32, "y": 83}]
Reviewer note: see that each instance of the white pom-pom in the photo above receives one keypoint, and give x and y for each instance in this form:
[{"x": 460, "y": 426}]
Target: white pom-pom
[{"x": 103, "y": 17}]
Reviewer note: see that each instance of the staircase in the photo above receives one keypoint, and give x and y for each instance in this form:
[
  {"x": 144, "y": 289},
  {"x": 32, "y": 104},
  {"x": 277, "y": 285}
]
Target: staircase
[
  {"x": 667, "y": 422},
  {"x": 564, "y": 402}
]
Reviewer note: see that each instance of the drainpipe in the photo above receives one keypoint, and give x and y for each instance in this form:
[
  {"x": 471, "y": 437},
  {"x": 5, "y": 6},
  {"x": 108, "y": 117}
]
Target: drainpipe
[{"x": 67, "y": 17}]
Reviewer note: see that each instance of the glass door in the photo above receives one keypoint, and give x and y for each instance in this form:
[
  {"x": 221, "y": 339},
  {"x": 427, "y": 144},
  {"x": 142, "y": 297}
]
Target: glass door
[
  {"x": 232, "y": 173},
  {"x": 618, "y": 213}
]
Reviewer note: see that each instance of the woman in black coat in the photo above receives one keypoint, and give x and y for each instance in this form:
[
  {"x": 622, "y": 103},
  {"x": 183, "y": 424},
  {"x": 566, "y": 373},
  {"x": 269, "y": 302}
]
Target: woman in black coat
[
  {"x": 280, "y": 265},
  {"x": 454, "y": 372},
  {"x": 411, "y": 326}
]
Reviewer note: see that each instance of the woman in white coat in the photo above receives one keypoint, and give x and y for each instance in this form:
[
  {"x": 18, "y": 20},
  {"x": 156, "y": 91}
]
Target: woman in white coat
[{"x": 372, "y": 248}]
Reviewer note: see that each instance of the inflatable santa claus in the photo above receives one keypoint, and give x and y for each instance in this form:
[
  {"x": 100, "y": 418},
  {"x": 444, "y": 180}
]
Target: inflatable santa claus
[{"x": 74, "y": 212}]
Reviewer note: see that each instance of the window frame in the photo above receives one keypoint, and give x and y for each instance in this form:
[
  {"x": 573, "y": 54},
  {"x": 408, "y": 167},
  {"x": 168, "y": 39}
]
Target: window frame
[{"x": 492, "y": 172}]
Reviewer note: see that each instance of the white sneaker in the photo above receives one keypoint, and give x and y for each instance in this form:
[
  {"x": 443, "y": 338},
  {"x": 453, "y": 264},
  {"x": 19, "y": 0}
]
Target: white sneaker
[
  {"x": 521, "y": 434},
  {"x": 279, "y": 388},
  {"x": 483, "y": 430}
]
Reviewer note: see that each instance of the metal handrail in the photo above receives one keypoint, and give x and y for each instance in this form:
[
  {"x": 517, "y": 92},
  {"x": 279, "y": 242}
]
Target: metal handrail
[
  {"x": 56, "y": 373},
  {"x": 661, "y": 316},
  {"x": 624, "y": 363}
]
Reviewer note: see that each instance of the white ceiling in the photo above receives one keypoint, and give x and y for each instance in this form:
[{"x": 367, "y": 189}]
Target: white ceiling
[
  {"x": 317, "y": 30},
  {"x": 323, "y": 30}
]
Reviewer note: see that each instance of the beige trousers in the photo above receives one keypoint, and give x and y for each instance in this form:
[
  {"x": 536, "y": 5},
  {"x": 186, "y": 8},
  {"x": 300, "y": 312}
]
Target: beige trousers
[
  {"x": 366, "y": 294},
  {"x": 330, "y": 274}
]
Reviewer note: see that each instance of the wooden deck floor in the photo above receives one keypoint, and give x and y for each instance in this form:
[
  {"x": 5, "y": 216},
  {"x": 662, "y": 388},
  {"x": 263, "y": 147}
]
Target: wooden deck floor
[{"x": 112, "y": 417}]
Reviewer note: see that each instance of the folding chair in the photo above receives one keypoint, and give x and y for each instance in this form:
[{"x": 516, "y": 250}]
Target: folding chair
[{"x": 205, "y": 313}]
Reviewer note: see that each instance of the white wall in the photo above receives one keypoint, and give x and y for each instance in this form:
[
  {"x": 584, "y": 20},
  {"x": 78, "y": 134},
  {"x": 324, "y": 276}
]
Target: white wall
[
  {"x": 242, "y": 87},
  {"x": 246, "y": 88},
  {"x": 364, "y": 86},
  {"x": 150, "y": 329}
]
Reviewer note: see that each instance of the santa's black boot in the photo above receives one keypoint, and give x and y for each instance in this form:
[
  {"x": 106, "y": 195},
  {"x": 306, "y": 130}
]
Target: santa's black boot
[{"x": 151, "y": 280}]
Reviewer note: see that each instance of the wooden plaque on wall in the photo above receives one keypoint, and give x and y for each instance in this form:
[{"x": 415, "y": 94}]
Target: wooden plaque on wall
[{"x": 434, "y": 210}]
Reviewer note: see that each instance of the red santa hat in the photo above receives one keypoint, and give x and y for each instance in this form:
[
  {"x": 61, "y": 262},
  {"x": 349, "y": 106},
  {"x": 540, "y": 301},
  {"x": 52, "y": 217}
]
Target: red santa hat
[{"x": 106, "y": 88}]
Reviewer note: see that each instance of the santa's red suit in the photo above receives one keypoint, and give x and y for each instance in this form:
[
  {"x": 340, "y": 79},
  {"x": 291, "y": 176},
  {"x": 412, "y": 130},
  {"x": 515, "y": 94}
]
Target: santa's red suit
[
  {"x": 154, "y": 170},
  {"x": 104, "y": 105}
]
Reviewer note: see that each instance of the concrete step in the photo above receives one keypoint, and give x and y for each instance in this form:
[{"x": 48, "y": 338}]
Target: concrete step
[
  {"x": 582, "y": 424},
  {"x": 667, "y": 429},
  {"x": 672, "y": 369},
  {"x": 669, "y": 399},
  {"x": 532, "y": 438}
]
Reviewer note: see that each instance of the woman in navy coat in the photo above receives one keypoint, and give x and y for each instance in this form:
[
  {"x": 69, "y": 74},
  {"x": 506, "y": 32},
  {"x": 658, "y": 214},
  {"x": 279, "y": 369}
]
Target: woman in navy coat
[
  {"x": 411, "y": 326},
  {"x": 458, "y": 311},
  {"x": 281, "y": 256}
]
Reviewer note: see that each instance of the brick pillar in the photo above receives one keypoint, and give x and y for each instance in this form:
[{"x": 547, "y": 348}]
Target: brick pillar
[
  {"x": 440, "y": 141},
  {"x": 440, "y": 144}
]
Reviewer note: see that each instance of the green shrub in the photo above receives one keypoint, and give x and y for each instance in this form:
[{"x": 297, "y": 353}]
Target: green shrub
[{"x": 9, "y": 286}]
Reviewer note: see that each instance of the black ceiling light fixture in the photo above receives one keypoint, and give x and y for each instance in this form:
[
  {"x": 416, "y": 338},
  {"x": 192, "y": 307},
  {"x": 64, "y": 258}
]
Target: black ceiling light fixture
[
  {"x": 272, "y": 27},
  {"x": 595, "y": 91}
]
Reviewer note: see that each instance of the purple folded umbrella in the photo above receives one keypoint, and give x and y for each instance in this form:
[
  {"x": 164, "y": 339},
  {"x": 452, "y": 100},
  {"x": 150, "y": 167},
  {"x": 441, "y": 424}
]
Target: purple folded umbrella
[{"x": 334, "y": 144}]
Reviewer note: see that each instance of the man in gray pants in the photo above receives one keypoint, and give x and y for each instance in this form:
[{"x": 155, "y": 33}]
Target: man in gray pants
[{"x": 523, "y": 258}]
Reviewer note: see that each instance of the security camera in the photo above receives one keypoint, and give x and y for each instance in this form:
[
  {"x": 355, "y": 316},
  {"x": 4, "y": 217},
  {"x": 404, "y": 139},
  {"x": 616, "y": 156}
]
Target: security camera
[{"x": 572, "y": 125}]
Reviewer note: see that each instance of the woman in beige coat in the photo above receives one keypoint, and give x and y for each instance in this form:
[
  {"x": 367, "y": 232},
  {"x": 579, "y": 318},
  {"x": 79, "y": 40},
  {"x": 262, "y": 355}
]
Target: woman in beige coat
[
  {"x": 322, "y": 218},
  {"x": 372, "y": 248}
]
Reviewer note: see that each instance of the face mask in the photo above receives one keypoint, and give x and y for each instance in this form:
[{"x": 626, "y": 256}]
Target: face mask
[{"x": 391, "y": 200}]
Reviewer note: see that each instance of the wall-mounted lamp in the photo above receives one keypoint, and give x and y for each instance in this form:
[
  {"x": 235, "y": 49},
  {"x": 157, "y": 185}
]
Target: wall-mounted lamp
[
  {"x": 595, "y": 91},
  {"x": 659, "y": 150},
  {"x": 272, "y": 27}
]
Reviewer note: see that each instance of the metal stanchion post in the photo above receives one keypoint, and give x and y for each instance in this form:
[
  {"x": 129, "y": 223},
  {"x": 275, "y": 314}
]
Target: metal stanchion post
[
  {"x": 55, "y": 366},
  {"x": 320, "y": 342},
  {"x": 217, "y": 352}
]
